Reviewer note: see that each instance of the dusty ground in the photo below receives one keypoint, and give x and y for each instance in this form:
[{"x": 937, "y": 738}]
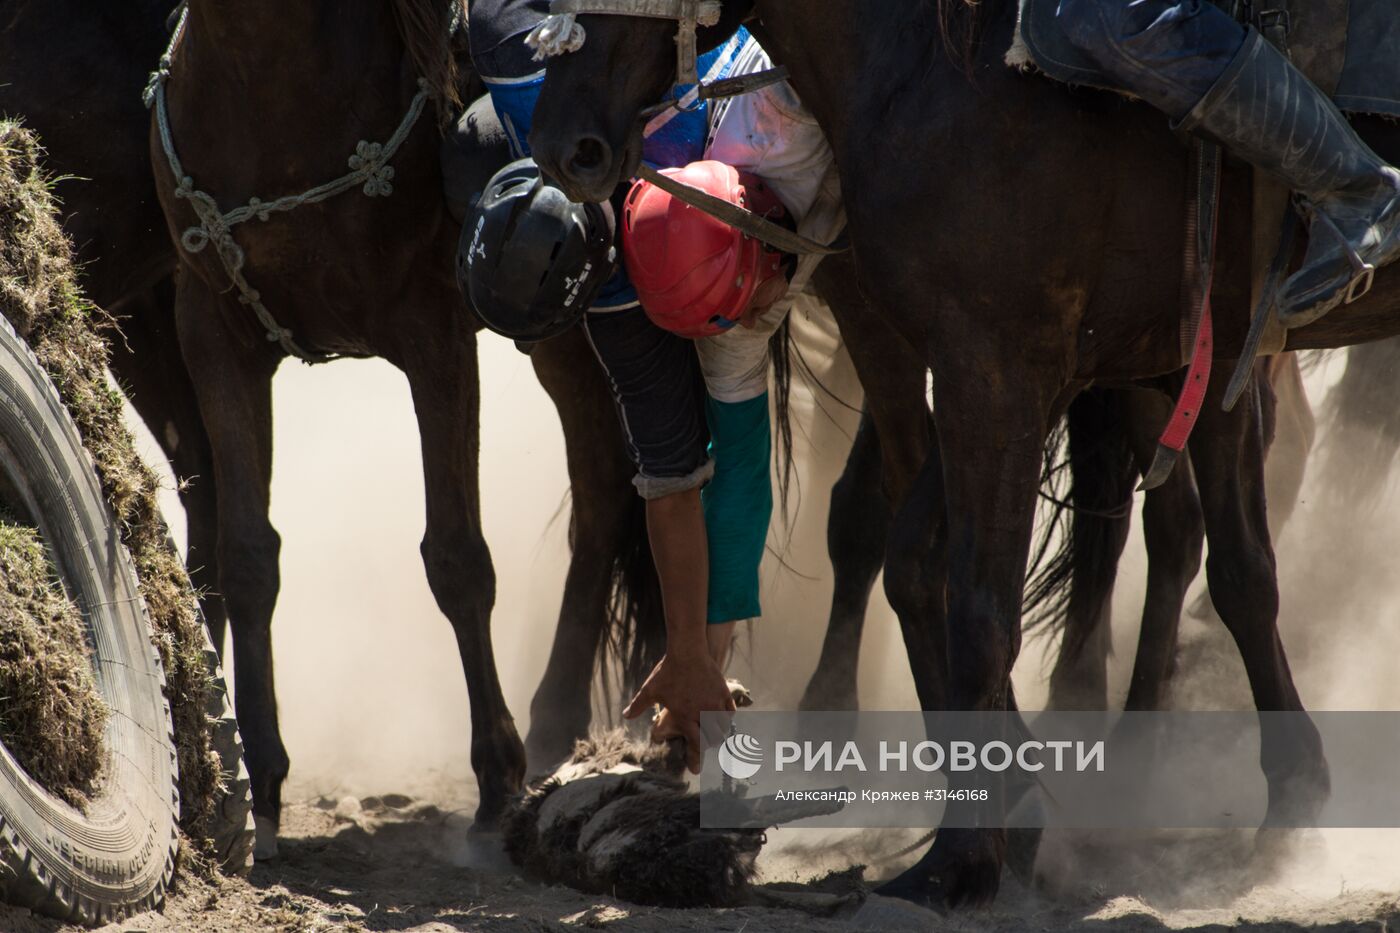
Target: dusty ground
[{"x": 413, "y": 869}]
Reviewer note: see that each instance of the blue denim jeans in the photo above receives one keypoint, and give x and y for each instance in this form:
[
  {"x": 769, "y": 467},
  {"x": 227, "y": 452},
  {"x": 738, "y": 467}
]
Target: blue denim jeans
[{"x": 1168, "y": 52}]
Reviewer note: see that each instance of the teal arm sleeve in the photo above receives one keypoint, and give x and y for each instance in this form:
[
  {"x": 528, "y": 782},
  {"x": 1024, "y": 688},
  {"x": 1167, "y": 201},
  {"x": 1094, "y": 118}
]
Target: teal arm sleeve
[{"x": 738, "y": 505}]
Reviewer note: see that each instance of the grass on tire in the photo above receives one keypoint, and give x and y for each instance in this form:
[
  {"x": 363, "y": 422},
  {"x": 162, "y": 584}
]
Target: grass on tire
[
  {"x": 39, "y": 295},
  {"x": 51, "y": 713}
]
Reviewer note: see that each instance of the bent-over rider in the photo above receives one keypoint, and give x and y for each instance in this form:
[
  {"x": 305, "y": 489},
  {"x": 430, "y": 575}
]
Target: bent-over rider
[{"x": 680, "y": 319}]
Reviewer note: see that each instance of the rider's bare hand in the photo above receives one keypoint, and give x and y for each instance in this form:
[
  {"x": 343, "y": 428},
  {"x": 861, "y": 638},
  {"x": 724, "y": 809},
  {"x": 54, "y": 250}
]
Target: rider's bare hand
[{"x": 686, "y": 686}]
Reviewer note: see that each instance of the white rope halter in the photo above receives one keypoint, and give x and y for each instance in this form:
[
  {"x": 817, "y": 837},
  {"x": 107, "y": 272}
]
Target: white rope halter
[
  {"x": 560, "y": 32},
  {"x": 370, "y": 171}
]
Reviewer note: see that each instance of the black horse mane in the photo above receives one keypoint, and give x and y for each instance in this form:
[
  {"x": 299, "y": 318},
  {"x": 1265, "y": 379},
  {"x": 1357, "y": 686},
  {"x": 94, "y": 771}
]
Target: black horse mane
[
  {"x": 426, "y": 29},
  {"x": 959, "y": 26}
]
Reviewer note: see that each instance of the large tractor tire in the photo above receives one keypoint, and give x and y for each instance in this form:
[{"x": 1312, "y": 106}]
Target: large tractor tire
[
  {"x": 116, "y": 858},
  {"x": 233, "y": 825}
]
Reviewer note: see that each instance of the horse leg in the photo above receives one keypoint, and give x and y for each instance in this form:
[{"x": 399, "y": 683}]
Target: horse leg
[
  {"x": 442, "y": 368},
  {"x": 856, "y": 530},
  {"x": 1173, "y": 531},
  {"x": 233, "y": 384},
  {"x": 608, "y": 522},
  {"x": 891, "y": 372},
  {"x": 1228, "y": 450},
  {"x": 442, "y": 376},
  {"x": 991, "y": 437},
  {"x": 893, "y": 377},
  {"x": 1295, "y": 431},
  {"x": 148, "y": 366},
  {"x": 916, "y": 566},
  {"x": 1102, "y": 485}
]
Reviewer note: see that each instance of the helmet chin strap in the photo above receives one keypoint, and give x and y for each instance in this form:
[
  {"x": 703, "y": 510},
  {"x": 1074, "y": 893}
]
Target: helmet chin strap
[{"x": 560, "y": 32}]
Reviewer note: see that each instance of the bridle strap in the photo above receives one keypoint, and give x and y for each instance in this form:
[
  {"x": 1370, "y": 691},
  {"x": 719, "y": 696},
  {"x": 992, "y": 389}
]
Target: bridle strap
[
  {"x": 740, "y": 85},
  {"x": 702, "y": 12},
  {"x": 687, "y": 14},
  {"x": 719, "y": 90}
]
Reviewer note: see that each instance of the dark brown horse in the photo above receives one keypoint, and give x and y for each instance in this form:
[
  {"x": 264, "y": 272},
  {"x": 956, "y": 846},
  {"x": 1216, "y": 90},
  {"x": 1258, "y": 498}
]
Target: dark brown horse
[
  {"x": 1111, "y": 437},
  {"x": 94, "y": 134},
  {"x": 1027, "y": 241},
  {"x": 97, "y": 132},
  {"x": 267, "y": 99}
]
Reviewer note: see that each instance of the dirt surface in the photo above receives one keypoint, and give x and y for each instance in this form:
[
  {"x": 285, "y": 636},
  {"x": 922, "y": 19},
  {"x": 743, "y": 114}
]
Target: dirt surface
[{"x": 362, "y": 864}]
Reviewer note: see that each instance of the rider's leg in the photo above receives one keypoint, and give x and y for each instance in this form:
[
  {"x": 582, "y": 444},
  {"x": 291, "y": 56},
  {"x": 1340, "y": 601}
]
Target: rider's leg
[
  {"x": 1168, "y": 52},
  {"x": 1217, "y": 78},
  {"x": 496, "y": 31}
]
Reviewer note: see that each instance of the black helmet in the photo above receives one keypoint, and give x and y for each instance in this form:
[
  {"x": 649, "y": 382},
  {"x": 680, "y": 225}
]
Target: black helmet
[{"x": 530, "y": 260}]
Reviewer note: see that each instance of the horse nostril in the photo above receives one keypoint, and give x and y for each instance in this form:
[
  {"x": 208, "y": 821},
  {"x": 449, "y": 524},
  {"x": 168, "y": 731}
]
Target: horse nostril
[{"x": 592, "y": 154}]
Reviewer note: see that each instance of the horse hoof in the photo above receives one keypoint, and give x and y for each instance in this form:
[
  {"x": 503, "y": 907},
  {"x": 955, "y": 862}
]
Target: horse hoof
[
  {"x": 264, "y": 839},
  {"x": 914, "y": 886},
  {"x": 1022, "y": 847},
  {"x": 1275, "y": 849},
  {"x": 962, "y": 870}
]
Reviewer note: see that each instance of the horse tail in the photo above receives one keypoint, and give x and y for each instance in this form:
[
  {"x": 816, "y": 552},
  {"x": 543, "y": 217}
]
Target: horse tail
[
  {"x": 958, "y": 28},
  {"x": 1363, "y": 425},
  {"x": 780, "y": 347},
  {"x": 1069, "y": 574},
  {"x": 636, "y": 620}
]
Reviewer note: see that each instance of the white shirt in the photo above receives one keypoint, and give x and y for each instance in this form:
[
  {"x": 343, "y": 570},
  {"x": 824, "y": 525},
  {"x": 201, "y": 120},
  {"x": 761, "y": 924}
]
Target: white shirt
[{"x": 770, "y": 134}]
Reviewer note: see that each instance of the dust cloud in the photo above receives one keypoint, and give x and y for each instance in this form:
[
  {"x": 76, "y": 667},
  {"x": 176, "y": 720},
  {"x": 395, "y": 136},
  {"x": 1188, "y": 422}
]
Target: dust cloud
[
  {"x": 372, "y": 696},
  {"x": 369, "y": 684}
]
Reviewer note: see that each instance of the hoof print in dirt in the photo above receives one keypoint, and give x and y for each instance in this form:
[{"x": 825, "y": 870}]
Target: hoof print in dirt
[{"x": 618, "y": 818}]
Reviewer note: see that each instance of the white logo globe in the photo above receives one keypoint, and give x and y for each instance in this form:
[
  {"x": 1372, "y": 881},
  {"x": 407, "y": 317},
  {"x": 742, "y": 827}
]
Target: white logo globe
[{"x": 740, "y": 756}]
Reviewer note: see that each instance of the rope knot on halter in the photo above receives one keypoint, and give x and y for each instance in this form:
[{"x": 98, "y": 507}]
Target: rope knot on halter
[
  {"x": 556, "y": 34},
  {"x": 367, "y": 168},
  {"x": 560, "y": 33},
  {"x": 368, "y": 162},
  {"x": 157, "y": 78},
  {"x": 213, "y": 226}
]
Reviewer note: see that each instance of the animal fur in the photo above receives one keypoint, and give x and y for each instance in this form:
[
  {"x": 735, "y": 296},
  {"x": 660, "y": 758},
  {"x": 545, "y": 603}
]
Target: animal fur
[{"x": 617, "y": 818}]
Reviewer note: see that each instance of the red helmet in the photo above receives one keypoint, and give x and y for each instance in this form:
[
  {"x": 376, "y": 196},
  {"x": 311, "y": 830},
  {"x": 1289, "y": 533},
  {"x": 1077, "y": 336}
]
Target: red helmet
[{"x": 695, "y": 274}]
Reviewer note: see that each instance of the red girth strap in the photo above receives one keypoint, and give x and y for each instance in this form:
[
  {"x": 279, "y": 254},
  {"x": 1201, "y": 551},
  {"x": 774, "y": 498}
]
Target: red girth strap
[
  {"x": 1201, "y": 217},
  {"x": 1193, "y": 393}
]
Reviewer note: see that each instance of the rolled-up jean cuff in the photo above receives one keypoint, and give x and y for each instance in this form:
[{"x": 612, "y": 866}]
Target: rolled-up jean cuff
[{"x": 657, "y": 487}]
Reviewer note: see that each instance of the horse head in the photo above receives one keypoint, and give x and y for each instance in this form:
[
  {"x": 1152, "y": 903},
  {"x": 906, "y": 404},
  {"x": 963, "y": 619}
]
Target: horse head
[{"x": 587, "y": 127}]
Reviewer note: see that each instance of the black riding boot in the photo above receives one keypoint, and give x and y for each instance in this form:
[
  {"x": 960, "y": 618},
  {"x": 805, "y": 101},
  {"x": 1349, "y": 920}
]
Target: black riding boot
[{"x": 1264, "y": 110}]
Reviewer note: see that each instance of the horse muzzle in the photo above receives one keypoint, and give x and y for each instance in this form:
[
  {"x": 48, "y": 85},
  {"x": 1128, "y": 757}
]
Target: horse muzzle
[{"x": 586, "y": 167}]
